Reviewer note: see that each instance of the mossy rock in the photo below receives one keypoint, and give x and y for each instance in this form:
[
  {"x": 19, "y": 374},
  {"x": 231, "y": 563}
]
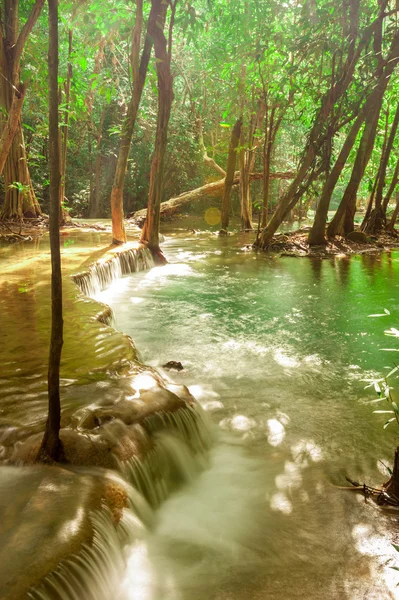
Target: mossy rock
[{"x": 357, "y": 236}]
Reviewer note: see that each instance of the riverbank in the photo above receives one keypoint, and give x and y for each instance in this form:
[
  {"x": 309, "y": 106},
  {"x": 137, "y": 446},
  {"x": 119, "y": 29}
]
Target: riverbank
[{"x": 295, "y": 243}]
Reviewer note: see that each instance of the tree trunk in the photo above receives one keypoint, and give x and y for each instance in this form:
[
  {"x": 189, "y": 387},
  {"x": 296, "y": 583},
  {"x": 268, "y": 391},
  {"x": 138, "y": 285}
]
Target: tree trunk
[
  {"x": 391, "y": 189},
  {"x": 245, "y": 200},
  {"x": 20, "y": 199},
  {"x": 139, "y": 76},
  {"x": 150, "y": 233},
  {"x": 11, "y": 125},
  {"x": 230, "y": 171},
  {"x": 377, "y": 218},
  {"x": 64, "y": 133},
  {"x": 94, "y": 205},
  {"x": 391, "y": 224},
  {"x": 317, "y": 233},
  {"x": 51, "y": 449},
  {"x": 374, "y": 188}
]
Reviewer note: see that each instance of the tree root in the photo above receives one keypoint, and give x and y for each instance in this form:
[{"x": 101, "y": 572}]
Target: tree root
[{"x": 382, "y": 496}]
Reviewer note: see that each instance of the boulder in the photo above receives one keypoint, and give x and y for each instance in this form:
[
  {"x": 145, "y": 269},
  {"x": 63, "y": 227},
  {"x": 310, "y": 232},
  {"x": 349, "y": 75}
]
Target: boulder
[{"x": 357, "y": 236}]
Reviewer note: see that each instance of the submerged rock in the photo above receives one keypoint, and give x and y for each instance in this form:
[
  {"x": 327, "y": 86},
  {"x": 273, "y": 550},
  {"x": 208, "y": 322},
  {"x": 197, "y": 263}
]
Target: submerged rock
[{"x": 173, "y": 364}]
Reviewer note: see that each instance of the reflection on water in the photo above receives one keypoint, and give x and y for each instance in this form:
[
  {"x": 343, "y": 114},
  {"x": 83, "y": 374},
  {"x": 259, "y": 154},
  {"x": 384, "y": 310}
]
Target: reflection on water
[{"x": 275, "y": 350}]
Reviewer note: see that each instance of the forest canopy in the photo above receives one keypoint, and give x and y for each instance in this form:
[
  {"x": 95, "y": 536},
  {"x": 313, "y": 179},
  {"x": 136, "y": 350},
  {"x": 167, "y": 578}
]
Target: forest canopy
[{"x": 313, "y": 83}]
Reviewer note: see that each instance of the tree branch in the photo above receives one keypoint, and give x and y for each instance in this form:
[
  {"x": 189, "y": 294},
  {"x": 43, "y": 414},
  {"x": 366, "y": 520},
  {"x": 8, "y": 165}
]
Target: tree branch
[{"x": 26, "y": 29}]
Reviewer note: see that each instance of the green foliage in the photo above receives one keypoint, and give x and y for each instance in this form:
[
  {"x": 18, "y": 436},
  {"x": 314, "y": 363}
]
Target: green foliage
[{"x": 228, "y": 56}]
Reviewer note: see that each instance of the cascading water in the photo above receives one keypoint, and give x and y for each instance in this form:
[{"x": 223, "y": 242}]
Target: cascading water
[
  {"x": 102, "y": 273},
  {"x": 208, "y": 514},
  {"x": 96, "y": 572}
]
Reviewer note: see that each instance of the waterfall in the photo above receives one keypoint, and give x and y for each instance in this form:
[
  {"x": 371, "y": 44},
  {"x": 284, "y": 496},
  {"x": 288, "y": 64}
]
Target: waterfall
[
  {"x": 102, "y": 273},
  {"x": 95, "y": 572}
]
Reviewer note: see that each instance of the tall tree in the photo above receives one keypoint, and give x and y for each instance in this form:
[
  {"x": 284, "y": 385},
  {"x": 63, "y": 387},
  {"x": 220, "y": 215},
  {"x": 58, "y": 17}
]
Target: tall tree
[
  {"x": 51, "y": 448},
  {"x": 20, "y": 199},
  {"x": 375, "y": 219},
  {"x": 163, "y": 56},
  {"x": 139, "y": 72}
]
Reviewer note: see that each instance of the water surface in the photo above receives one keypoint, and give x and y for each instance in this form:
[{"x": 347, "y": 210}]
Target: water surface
[{"x": 275, "y": 350}]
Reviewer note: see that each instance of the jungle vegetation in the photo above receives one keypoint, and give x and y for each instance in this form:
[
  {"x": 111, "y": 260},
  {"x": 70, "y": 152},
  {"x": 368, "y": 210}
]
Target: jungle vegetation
[{"x": 293, "y": 103}]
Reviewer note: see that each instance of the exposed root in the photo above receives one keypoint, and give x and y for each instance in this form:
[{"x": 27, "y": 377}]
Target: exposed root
[{"x": 382, "y": 496}]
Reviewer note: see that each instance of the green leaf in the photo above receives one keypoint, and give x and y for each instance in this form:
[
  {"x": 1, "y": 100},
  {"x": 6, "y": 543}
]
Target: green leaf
[
  {"x": 392, "y": 372},
  {"x": 389, "y": 421}
]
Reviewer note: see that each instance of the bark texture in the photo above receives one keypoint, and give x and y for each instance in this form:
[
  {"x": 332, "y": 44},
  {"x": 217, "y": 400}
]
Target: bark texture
[
  {"x": 376, "y": 220},
  {"x": 51, "y": 449},
  {"x": 11, "y": 125},
  {"x": 139, "y": 73},
  {"x": 20, "y": 200},
  {"x": 150, "y": 233}
]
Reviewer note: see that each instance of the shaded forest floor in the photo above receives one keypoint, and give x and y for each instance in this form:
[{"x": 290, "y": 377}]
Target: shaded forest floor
[{"x": 295, "y": 243}]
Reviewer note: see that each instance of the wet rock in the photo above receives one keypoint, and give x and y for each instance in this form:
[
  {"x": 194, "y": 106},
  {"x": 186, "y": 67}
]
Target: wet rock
[
  {"x": 173, "y": 364},
  {"x": 182, "y": 392},
  {"x": 223, "y": 233},
  {"x": 48, "y": 519},
  {"x": 357, "y": 236}
]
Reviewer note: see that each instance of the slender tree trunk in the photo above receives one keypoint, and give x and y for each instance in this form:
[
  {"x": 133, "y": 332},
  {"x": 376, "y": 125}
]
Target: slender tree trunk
[
  {"x": 266, "y": 182},
  {"x": 51, "y": 449},
  {"x": 317, "y": 233},
  {"x": 391, "y": 189},
  {"x": 377, "y": 218},
  {"x": 391, "y": 224},
  {"x": 245, "y": 201},
  {"x": 64, "y": 132},
  {"x": 150, "y": 232},
  {"x": 139, "y": 76},
  {"x": 230, "y": 171},
  {"x": 247, "y": 162},
  {"x": 361, "y": 162},
  {"x": 94, "y": 205},
  {"x": 374, "y": 188}
]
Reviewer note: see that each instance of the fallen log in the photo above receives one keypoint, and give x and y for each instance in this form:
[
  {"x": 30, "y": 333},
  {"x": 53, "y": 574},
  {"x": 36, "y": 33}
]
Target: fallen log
[{"x": 214, "y": 189}]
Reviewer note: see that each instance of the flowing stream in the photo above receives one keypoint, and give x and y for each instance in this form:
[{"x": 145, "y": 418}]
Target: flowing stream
[
  {"x": 240, "y": 499},
  {"x": 275, "y": 350}
]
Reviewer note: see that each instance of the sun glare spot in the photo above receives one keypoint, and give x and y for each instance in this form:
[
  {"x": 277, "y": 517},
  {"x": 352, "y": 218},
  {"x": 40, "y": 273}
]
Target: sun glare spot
[
  {"x": 280, "y": 503},
  {"x": 143, "y": 381},
  {"x": 276, "y": 432}
]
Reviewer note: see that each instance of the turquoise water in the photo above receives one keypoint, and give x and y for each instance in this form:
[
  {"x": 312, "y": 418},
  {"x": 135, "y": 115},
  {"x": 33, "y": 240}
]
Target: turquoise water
[{"x": 275, "y": 349}]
